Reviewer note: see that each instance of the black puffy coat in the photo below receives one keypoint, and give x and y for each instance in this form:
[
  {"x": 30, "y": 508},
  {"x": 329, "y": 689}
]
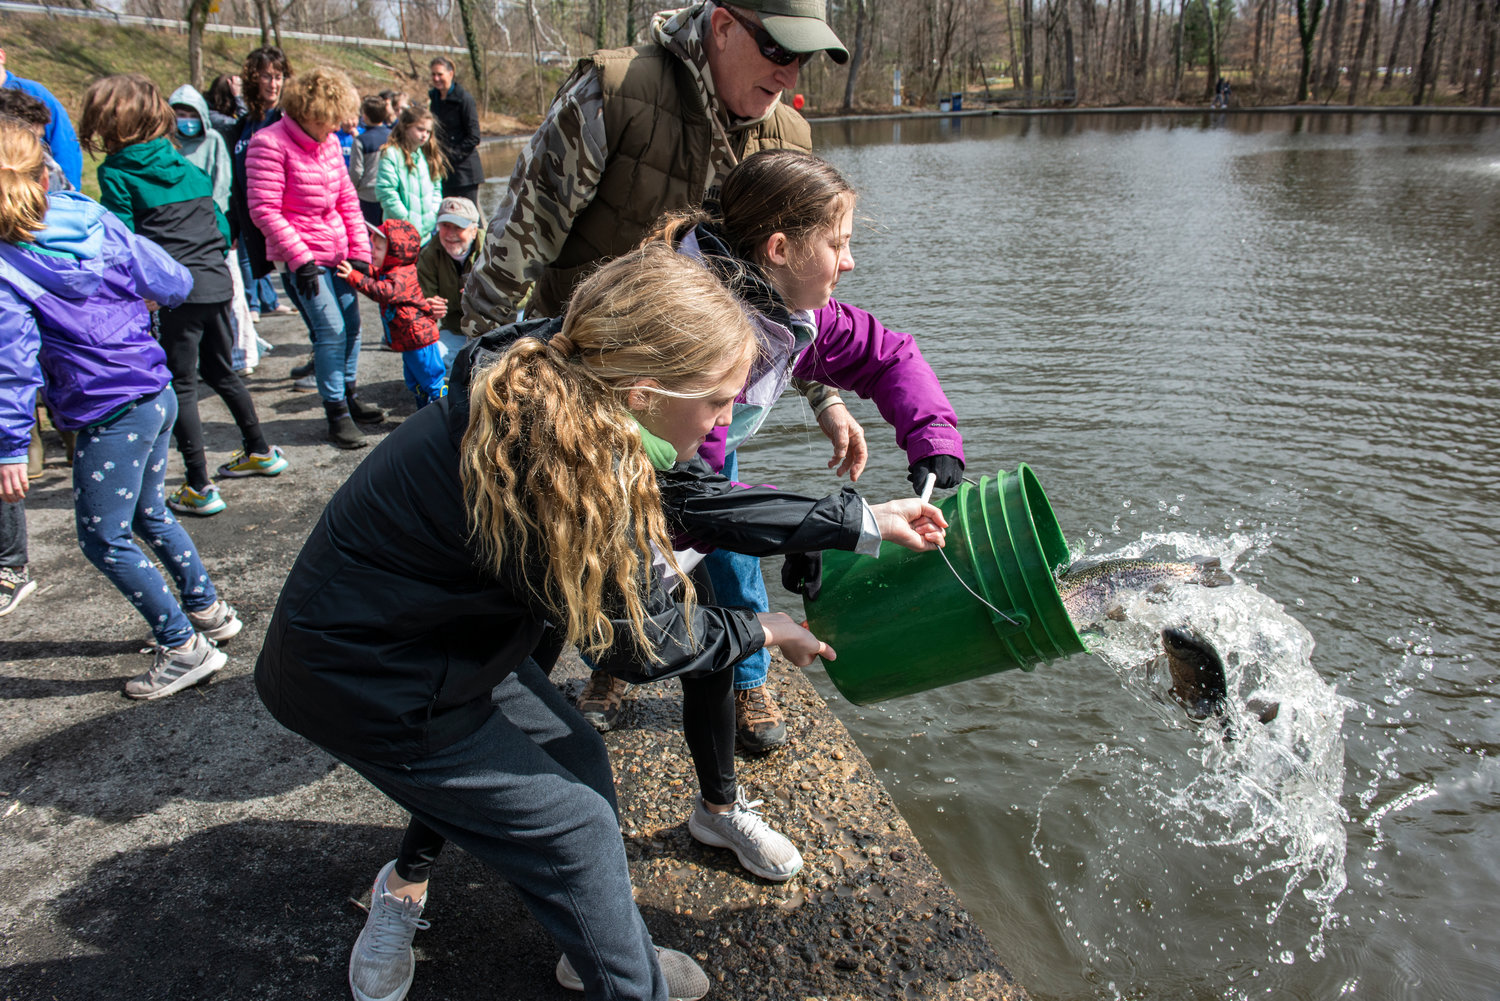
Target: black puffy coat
[
  {"x": 388, "y": 636},
  {"x": 459, "y": 116}
]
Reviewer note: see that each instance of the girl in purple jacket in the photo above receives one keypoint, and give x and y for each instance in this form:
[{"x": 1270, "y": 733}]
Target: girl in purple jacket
[
  {"x": 73, "y": 285},
  {"x": 781, "y": 240}
]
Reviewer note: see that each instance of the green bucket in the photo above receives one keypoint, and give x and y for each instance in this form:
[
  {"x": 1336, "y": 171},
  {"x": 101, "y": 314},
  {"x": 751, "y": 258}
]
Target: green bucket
[{"x": 907, "y": 622}]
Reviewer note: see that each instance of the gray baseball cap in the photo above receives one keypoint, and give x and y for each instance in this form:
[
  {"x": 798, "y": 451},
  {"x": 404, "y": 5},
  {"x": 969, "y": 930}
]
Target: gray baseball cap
[
  {"x": 458, "y": 211},
  {"x": 798, "y": 25}
]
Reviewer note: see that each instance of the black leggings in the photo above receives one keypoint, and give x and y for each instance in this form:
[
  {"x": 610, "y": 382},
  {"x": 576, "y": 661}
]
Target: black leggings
[
  {"x": 708, "y": 727},
  {"x": 197, "y": 337}
]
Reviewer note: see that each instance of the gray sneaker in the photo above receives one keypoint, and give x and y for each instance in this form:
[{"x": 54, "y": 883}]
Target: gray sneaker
[
  {"x": 306, "y": 384},
  {"x": 382, "y": 965},
  {"x": 685, "y": 979},
  {"x": 218, "y": 621},
  {"x": 176, "y": 669},
  {"x": 760, "y": 849},
  {"x": 15, "y": 584}
]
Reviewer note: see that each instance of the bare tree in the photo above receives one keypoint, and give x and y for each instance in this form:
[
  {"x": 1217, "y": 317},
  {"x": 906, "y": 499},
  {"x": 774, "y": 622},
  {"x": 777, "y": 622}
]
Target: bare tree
[
  {"x": 1390, "y": 64},
  {"x": 1426, "y": 72},
  {"x": 1367, "y": 22},
  {"x": 857, "y": 54},
  {"x": 1308, "y": 14}
]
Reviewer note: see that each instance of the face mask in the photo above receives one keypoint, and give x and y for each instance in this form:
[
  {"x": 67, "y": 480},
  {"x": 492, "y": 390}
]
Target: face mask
[{"x": 189, "y": 127}]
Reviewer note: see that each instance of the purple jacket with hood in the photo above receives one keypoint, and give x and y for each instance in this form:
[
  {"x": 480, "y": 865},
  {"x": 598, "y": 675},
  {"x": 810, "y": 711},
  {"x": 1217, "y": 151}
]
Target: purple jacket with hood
[
  {"x": 73, "y": 321},
  {"x": 840, "y": 346}
]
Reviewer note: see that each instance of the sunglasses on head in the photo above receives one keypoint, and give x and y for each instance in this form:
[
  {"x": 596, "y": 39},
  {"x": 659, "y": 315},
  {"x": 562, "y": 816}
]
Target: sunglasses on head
[{"x": 768, "y": 46}]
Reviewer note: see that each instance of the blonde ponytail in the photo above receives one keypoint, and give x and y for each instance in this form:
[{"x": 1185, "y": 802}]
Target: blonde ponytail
[
  {"x": 23, "y": 196},
  {"x": 552, "y": 461}
]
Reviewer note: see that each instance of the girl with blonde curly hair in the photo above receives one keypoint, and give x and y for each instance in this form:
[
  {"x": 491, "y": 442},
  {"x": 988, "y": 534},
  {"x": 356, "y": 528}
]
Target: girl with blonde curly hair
[{"x": 537, "y": 505}]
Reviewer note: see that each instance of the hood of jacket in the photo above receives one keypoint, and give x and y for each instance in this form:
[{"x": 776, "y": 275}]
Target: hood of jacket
[
  {"x": 681, "y": 32},
  {"x": 72, "y": 242},
  {"x": 402, "y": 243},
  {"x": 478, "y": 354},
  {"x": 188, "y": 95},
  {"x": 156, "y": 164}
]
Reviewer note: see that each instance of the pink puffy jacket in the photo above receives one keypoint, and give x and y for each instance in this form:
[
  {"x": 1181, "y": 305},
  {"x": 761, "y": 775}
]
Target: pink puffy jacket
[{"x": 301, "y": 198}]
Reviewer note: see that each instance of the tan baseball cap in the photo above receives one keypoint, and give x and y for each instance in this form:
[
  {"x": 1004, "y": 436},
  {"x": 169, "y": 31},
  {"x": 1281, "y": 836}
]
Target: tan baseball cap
[
  {"x": 798, "y": 25},
  {"x": 458, "y": 211}
]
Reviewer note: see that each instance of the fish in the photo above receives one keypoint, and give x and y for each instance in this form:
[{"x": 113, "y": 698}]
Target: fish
[
  {"x": 1198, "y": 680},
  {"x": 1091, "y": 592}
]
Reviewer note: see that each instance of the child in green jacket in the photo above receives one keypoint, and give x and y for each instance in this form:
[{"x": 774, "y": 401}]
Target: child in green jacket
[
  {"x": 412, "y": 167},
  {"x": 146, "y": 182}
]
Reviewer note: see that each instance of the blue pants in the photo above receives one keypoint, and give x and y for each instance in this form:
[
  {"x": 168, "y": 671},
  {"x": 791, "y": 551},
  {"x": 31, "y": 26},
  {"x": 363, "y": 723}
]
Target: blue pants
[
  {"x": 13, "y": 534},
  {"x": 738, "y": 584},
  {"x": 332, "y": 318},
  {"x": 425, "y": 374},
  {"x": 119, "y": 491},
  {"x": 259, "y": 293},
  {"x": 531, "y": 795}
]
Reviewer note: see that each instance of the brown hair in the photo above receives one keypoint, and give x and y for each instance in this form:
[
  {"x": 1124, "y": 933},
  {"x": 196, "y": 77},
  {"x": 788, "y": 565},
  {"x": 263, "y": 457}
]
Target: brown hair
[
  {"x": 23, "y": 196},
  {"x": 257, "y": 64},
  {"x": 774, "y": 191},
  {"x": 552, "y": 461},
  {"x": 322, "y": 94},
  {"x": 432, "y": 149},
  {"x": 19, "y": 104},
  {"x": 375, "y": 109},
  {"x": 123, "y": 110}
]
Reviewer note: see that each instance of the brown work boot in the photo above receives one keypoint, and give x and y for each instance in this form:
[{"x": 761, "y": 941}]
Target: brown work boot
[
  {"x": 602, "y": 699},
  {"x": 758, "y": 723}
]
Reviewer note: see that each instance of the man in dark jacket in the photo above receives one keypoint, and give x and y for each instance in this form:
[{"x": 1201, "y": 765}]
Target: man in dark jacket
[{"x": 456, "y": 112}]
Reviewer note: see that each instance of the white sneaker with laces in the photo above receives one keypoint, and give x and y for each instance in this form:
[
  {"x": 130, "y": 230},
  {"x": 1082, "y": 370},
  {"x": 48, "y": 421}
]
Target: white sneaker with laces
[
  {"x": 382, "y": 965},
  {"x": 762, "y": 850},
  {"x": 685, "y": 979},
  {"x": 174, "y": 670}
]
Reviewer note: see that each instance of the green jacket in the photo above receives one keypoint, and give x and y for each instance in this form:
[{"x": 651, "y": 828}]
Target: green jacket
[
  {"x": 441, "y": 275},
  {"x": 408, "y": 194},
  {"x": 161, "y": 196}
]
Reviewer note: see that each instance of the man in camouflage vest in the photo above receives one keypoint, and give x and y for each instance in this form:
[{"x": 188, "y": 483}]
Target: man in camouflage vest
[{"x": 631, "y": 134}]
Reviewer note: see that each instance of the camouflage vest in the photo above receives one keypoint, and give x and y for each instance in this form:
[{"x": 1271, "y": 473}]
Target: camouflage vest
[{"x": 658, "y": 137}]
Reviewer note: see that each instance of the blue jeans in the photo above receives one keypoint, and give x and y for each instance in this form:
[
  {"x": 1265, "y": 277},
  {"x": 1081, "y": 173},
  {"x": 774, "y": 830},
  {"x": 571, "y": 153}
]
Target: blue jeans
[
  {"x": 450, "y": 344},
  {"x": 531, "y": 795},
  {"x": 119, "y": 491},
  {"x": 332, "y": 318},
  {"x": 425, "y": 374},
  {"x": 738, "y": 584},
  {"x": 259, "y": 293}
]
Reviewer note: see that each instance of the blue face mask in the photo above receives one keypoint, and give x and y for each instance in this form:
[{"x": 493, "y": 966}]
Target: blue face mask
[{"x": 189, "y": 127}]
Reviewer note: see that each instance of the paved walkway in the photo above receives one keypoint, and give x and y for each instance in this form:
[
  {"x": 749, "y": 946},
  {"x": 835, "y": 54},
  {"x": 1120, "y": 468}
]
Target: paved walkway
[{"x": 192, "y": 848}]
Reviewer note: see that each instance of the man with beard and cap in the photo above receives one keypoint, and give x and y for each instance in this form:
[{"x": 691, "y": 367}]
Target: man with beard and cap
[{"x": 634, "y": 133}]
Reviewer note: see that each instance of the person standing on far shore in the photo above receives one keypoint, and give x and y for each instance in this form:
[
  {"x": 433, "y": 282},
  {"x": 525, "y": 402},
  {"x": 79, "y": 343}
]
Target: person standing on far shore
[{"x": 458, "y": 116}]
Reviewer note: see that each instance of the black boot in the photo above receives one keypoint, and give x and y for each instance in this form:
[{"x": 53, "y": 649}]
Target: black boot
[
  {"x": 364, "y": 413},
  {"x": 341, "y": 430}
]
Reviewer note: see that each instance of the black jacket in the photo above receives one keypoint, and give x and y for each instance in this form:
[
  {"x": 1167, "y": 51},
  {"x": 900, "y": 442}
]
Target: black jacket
[
  {"x": 388, "y": 637},
  {"x": 252, "y": 243},
  {"x": 459, "y": 116}
]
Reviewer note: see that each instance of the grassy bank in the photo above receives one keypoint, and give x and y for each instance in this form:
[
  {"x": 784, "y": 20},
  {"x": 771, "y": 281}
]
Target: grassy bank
[{"x": 67, "y": 54}]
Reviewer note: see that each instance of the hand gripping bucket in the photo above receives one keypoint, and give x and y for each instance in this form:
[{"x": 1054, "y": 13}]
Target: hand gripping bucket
[{"x": 907, "y": 623}]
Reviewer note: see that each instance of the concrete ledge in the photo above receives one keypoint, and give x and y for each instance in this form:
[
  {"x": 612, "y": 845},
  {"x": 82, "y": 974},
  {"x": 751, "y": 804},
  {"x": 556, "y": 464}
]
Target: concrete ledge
[{"x": 192, "y": 848}]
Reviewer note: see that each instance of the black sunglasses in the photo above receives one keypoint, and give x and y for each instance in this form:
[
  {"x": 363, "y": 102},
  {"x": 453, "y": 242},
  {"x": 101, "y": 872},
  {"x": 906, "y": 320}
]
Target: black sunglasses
[{"x": 768, "y": 46}]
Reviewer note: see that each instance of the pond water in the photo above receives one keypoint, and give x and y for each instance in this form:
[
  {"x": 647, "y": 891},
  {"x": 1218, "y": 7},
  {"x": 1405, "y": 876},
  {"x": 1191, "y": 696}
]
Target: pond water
[{"x": 1268, "y": 338}]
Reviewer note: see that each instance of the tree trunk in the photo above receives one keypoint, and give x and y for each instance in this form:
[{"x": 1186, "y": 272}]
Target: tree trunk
[
  {"x": 1491, "y": 23},
  {"x": 1010, "y": 37},
  {"x": 197, "y": 16},
  {"x": 1177, "y": 66},
  {"x": 1213, "y": 50},
  {"x": 1027, "y": 15},
  {"x": 471, "y": 41},
  {"x": 856, "y": 55},
  {"x": 1144, "y": 58},
  {"x": 264, "y": 19},
  {"x": 1271, "y": 37},
  {"x": 1356, "y": 71},
  {"x": 1334, "y": 67},
  {"x": 274, "y": 10},
  {"x": 1425, "y": 71},
  {"x": 1260, "y": 24},
  {"x": 1308, "y": 13},
  {"x": 1070, "y": 76},
  {"x": 1390, "y": 64}
]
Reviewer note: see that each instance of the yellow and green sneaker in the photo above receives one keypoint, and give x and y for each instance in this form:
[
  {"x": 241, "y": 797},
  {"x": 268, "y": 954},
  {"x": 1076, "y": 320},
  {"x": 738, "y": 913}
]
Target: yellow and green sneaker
[
  {"x": 186, "y": 500},
  {"x": 254, "y": 464}
]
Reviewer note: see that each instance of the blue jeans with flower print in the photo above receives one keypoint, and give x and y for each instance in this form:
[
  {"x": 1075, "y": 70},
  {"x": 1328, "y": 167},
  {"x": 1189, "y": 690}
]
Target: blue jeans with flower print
[{"x": 119, "y": 492}]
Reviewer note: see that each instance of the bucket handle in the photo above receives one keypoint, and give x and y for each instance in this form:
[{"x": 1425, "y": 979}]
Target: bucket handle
[{"x": 981, "y": 598}]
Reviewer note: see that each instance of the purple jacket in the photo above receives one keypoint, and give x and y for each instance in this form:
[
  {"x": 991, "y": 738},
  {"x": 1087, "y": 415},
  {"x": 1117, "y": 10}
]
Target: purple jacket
[{"x": 73, "y": 321}]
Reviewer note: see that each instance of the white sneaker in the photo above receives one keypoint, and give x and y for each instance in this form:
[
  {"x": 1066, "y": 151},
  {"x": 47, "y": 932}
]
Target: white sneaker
[
  {"x": 174, "y": 670},
  {"x": 685, "y": 979},
  {"x": 382, "y": 965},
  {"x": 761, "y": 850}
]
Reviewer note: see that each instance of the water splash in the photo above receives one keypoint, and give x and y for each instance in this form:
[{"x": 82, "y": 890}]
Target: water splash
[{"x": 1225, "y": 820}]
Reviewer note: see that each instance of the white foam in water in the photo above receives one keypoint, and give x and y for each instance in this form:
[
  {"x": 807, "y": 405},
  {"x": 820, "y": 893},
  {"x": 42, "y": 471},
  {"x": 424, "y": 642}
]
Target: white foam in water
[{"x": 1235, "y": 822}]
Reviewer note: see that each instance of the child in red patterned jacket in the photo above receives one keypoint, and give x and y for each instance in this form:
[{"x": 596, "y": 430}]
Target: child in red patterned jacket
[{"x": 393, "y": 283}]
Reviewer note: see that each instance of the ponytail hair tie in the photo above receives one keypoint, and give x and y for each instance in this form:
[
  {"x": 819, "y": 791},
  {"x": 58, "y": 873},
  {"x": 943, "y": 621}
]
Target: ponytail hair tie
[{"x": 562, "y": 344}]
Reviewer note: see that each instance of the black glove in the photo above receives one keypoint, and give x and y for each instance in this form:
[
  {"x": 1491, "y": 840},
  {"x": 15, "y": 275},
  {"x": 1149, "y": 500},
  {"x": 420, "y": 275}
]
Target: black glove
[
  {"x": 949, "y": 469},
  {"x": 306, "y": 278},
  {"x": 802, "y": 573},
  {"x": 363, "y": 267}
]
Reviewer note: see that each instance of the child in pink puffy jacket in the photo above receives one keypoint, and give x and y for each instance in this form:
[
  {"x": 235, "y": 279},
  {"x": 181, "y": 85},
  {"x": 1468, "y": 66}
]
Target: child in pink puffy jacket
[{"x": 300, "y": 197}]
